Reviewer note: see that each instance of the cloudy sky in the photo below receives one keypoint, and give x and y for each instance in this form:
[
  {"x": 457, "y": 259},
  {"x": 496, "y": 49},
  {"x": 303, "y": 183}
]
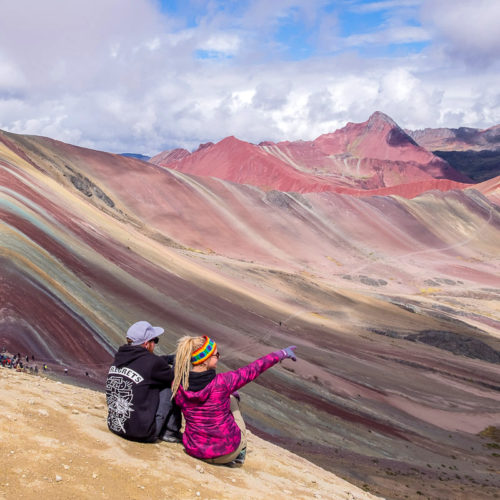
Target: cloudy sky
[{"x": 144, "y": 76}]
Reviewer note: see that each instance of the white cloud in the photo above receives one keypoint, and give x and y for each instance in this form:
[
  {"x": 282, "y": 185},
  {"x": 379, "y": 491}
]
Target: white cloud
[
  {"x": 12, "y": 81},
  {"x": 264, "y": 14},
  {"x": 392, "y": 35},
  {"x": 384, "y": 5},
  {"x": 118, "y": 75},
  {"x": 468, "y": 30},
  {"x": 222, "y": 43}
]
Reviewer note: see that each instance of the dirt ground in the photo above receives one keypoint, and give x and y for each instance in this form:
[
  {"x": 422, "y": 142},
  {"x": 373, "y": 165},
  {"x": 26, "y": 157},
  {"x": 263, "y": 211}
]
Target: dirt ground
[{"x": 54, "y": 443}]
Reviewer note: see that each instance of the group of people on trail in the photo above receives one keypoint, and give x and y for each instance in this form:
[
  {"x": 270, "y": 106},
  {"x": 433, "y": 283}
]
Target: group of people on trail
[
  {"x": 147, "y": 395},
  {"x": 25, "y": 363},
  {"x": 18, "y": 362}
]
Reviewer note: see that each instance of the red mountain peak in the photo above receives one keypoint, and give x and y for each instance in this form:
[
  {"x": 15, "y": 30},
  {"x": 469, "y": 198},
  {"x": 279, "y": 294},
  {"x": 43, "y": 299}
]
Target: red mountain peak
[
  {"x": 373, "y": 154},
  {"x": 378, "y": 118},
  {"x": 169, "y": 156},
  {"x": 373, "y": 138},
  {"x": 203, "y": 146}
]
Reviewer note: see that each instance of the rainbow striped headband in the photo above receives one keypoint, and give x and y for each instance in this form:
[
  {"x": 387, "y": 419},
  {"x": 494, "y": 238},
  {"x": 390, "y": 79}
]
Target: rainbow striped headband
[{"x": 204, "y": 352}]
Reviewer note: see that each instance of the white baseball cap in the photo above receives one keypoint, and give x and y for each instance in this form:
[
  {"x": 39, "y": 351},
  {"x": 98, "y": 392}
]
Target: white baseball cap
[{"x": 142, "y": 331}]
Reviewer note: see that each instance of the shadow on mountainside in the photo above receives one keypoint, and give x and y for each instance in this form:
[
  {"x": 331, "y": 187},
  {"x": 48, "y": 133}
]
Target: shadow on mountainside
[{"x": 478, "y": 165}]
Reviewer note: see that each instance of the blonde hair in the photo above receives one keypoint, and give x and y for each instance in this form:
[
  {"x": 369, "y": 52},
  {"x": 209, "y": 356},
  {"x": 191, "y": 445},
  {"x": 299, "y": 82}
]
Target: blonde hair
[{"x": 185, "y": 347}]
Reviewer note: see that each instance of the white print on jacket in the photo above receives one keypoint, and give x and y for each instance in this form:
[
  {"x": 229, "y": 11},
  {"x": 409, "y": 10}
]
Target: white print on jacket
[
  {"x": 126, "y": 372},
  {"x": 119, "y": 396}
]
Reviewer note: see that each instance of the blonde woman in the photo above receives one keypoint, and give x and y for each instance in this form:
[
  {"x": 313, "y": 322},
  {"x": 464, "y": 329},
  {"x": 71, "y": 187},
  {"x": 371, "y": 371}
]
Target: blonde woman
[{"x": 215, "y": 431}]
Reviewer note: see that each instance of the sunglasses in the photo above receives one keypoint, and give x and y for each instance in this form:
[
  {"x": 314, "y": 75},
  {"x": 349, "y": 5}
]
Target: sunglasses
[
  {"x": 217, "y": 355},
  {"x": 155, "y": 340}
]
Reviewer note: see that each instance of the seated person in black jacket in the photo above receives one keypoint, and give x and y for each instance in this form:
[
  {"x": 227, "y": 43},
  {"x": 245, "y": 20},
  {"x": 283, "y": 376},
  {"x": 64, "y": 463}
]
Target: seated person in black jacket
[{"x": 138, "y": 390}]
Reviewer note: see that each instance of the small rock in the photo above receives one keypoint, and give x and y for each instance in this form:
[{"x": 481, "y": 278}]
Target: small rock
[
  {"x": 75, "y": 412},
  {"x": 31, "y": 401},
  {"x": 200, "y": 469},
  {"x": 94, "y": 476},
  {"x": 99, "y": 407},
  {"x": 58, "y": 478},
  {"x": 45, "y": 413},
  {"x": 198, "y": 493},
  {"x": 66, "y": 467}
]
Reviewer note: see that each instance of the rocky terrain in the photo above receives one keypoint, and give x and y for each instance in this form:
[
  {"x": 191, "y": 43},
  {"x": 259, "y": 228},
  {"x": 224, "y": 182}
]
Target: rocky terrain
[
  {"x": 474, "y": 152},
  {"x": 54, "y": 443},
  {"x": 392, "y": 299},
  {"x": 457, "y": 139},
  {"x": 359, "y": 159}
]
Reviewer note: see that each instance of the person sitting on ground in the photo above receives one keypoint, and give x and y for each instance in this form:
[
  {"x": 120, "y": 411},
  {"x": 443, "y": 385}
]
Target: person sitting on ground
[
  {"x": 138, "y": 391},
  {"x": 215, "y": 431}
]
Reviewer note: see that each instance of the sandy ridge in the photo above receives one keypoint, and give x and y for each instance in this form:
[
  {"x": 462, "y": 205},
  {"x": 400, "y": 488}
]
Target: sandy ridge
[{"x": 54, "y": 444}]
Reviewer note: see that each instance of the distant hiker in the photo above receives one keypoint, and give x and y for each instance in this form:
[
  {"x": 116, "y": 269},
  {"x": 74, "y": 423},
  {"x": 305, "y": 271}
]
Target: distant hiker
[
  {"x": 86, "y": 374},
  {"x": 65, "y": 371},
  {"x": 215, "y": 431},
  {"x": 138, "y": 393}
]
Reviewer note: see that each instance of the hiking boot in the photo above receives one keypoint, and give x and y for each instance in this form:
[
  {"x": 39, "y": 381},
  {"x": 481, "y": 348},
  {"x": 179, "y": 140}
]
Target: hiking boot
[
  {"x": 240, "y": 459},
  {"x": 233, "y": 464},
  {"x": 174, "y": 437}
]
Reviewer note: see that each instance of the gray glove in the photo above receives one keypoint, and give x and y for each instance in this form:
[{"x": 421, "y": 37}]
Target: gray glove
[{"x": 288, "y": 352}]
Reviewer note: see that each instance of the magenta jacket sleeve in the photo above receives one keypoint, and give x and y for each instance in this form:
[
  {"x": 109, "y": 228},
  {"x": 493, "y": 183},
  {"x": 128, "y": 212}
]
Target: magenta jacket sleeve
[{"x": 238, "y": 378}]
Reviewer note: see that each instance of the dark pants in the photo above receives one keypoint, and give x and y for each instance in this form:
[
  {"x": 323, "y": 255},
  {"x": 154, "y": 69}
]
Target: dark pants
[{"x": 168, "y": 415}]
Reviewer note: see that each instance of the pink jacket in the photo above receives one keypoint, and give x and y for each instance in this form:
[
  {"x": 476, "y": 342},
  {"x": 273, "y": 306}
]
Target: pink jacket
[{"x": 210, "y": 427}]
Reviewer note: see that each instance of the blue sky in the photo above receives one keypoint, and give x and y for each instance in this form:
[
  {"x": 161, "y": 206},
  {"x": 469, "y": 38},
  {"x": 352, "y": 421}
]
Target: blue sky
[
  {"x": 148, "y": 75},
  {"x": 296, "y": 33}
]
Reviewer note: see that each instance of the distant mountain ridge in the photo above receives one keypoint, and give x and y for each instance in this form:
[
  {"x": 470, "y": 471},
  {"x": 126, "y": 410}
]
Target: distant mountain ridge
[
  {"x": 457, "y": 139},
  {"x": 376, "y": 154},
  {"x": 137, "y": 156},
  {"x": 474, "y": 152},
  {"x": 92, "y": 241}
]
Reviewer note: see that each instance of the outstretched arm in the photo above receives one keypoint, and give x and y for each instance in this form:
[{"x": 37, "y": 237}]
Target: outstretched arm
[{"x": 236, "y": 379}]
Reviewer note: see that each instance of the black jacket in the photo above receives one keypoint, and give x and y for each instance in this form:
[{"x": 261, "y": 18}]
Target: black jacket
[
  {"x": 199, "y": 380},
  {"x": 132, "y": 391}
]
